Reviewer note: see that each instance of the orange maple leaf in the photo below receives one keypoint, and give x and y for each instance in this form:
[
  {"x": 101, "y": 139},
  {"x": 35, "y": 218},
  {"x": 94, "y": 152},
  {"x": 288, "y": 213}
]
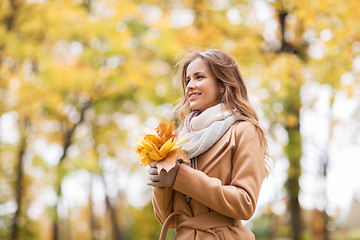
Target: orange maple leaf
[
  {"x": 170, "y": 161},
  {"x": 160, "y": 145}
]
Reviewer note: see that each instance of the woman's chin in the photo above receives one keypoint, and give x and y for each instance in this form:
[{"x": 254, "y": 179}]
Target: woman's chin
[{"x": 194, "y": 107}]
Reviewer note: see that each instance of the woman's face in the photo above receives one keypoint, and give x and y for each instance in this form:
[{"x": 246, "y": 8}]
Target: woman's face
[{"x": 202, "y": 90}]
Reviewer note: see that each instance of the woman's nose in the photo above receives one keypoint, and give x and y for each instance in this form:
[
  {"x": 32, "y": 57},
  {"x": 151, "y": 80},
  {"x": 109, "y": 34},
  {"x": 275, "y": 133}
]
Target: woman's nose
[{"x": 190, "y": 85}]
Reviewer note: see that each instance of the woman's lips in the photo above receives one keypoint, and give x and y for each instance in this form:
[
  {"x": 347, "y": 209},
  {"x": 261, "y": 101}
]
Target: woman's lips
[{"x": 193, "y": 96}]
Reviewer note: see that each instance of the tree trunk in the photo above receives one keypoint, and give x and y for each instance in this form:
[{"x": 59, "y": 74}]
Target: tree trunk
[
  {"x": 294, "y": 147},
  {"x": 93, "y": 224},
  {"x": 67, "y": 142},
  {"x": 117, "y": 235},
  {"x": 116, "y": 230},
  {"x": 56, "y": 216},
  {"x": 19, "y": 188},
  {"x": 8, "y": 23},
  {"x": 294, "y": 152},
  {"x": 323, "y": 172}
]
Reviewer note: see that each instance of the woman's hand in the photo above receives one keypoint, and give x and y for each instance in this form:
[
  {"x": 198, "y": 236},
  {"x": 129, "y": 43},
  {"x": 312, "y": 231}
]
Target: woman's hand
[{"x": 165, "y": 179}]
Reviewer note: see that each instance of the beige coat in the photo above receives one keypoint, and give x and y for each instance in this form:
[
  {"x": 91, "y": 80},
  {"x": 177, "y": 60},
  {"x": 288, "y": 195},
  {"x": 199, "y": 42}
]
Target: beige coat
[{"x": 223, "y": 191}]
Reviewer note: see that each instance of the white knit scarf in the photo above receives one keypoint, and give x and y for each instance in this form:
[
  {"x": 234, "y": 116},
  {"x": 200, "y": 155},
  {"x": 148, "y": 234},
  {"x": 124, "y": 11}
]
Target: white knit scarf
[{"x": 203, "y": 130}]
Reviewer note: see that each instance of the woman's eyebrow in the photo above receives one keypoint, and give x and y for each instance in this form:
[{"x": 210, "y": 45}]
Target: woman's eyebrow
[{"x": 197, "y": 73}]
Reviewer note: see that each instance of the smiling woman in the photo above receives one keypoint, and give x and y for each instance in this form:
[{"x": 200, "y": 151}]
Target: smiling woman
[
  {"x": 203, "y": 90},
  {"x": 208, "y": 198}
]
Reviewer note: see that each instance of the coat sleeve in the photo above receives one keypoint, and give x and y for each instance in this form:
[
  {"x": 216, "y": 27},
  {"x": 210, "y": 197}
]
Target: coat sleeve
[
  {"x": 237, "y": 200},
  {"x": 162, "y": 203}
]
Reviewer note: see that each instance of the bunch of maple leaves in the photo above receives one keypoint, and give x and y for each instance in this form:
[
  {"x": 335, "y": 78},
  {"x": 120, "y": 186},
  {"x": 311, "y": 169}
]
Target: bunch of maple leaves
[{"x": 162, "y": 146}]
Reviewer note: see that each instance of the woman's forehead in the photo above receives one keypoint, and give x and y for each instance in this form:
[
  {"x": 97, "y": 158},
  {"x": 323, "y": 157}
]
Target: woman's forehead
[{"x": 197, "y": 65}]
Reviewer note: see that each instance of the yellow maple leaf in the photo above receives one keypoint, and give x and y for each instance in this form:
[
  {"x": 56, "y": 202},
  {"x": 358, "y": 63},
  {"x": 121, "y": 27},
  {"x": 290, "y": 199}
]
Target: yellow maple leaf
[{"x": 160, "y": 144}]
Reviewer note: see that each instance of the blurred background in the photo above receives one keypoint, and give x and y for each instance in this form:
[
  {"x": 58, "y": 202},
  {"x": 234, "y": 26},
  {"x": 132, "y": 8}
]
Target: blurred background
[{"x": 80, "y": 79}]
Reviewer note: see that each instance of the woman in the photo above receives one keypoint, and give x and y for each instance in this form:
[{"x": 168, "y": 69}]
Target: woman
[{"x": 227, "y": 147}]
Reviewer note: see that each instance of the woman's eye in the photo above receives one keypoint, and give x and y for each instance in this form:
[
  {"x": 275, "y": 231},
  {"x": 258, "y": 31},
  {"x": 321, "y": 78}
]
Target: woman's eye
[{"x": 199, "y": 76}]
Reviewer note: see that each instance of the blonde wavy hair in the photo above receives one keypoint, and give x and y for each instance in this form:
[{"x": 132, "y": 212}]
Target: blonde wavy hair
[{"x": 234, "y": 97}]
